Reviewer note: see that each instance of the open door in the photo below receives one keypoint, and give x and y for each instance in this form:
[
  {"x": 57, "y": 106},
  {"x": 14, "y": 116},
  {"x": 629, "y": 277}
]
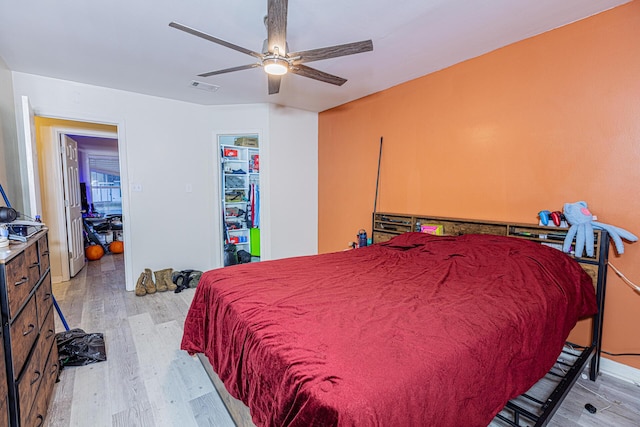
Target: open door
[{"x": 73, "y": 204}]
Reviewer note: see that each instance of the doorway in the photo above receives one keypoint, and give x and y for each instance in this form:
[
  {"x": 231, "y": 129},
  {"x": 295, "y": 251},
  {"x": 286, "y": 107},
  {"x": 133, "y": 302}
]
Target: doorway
[
  {"x": 66, "y": 203},
  {"x": 238, "y": 156}
]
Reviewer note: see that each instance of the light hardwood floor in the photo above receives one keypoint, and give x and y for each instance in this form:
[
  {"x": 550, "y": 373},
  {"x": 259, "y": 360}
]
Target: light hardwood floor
[{"x": 148, "y": 381}]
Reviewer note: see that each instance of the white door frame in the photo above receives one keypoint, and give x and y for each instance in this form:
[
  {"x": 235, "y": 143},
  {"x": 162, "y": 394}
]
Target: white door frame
[
  {"x": 124, "y": 172},
  {"x": 53, "y": 169},
  {"x": 217, "y": 249}
]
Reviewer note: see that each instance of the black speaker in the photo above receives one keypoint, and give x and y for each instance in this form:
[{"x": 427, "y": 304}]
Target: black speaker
[
  {"x": 83, "y": 197},
  {"x": 8, "y": 214}
]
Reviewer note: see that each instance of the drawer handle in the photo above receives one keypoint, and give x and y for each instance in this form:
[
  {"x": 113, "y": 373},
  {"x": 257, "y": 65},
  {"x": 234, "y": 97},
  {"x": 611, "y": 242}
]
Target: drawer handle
[
  {"x": 49, "y": 333},
  {"x": 40, "y": 420},
  {"x": 45, "y": 253},
  {"x": 54, "y": 368},
  {"x": 32, "y": 328},
  {"x": 46, "y": 296},
  {"x": 34, "y": 265},
  {"x": 35, "y": 380},
  {"x": 21, "y": 281}
]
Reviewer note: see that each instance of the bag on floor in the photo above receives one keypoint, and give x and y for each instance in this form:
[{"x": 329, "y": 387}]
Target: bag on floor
[
  {"x": 243, "y": 257},
  {"x": 78, "y": 348},
  {"x": 230, "y": 254}
]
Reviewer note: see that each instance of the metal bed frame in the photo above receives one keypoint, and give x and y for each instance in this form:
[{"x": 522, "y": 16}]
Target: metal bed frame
[{"x": 536, "y": 407}]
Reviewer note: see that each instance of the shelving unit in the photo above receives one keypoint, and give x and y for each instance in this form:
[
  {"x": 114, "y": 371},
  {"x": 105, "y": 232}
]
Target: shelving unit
[{"x": 240, "y": 168}]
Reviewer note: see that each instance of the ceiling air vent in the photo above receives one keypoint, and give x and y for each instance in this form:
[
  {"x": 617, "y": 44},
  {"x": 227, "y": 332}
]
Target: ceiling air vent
[{"x": 204, "y": 86}]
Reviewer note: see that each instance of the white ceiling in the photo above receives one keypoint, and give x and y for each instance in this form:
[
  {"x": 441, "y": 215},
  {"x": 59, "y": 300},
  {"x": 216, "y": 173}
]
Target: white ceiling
[{"x": 128, "y": 45}]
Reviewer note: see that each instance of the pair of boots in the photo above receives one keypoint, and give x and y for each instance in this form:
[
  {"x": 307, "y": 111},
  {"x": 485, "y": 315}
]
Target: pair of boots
[{"x": 163, "y": 283}]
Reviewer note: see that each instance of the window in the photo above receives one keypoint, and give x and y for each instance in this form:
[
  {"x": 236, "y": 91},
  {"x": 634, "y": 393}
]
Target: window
[{"x": 106, "y": 194}]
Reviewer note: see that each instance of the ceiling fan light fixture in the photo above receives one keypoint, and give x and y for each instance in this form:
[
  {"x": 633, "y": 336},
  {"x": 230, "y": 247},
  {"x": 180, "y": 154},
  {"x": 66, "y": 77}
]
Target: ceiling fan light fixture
[
  {"x": 275, "y": 58},
  {"x": 275, "y": 66}
]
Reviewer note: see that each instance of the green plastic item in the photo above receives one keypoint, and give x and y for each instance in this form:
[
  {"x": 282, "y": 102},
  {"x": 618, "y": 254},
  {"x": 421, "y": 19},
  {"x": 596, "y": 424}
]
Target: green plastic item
[{"x": 254, "y": 246}]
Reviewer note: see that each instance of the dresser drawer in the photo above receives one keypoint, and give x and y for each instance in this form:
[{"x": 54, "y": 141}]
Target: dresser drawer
[
  {"x": 47, "y": 338},
  {"x": 46, "y": 389},
  {"x": 51, "y": 370},
  {"x": 24, "y": 331},
  {"x": 43, "y": 299},
  {"x": 43, "y": 249},
  {"x": 35, "y": 396},
  {"x": 37, "y": 414},
  {"x": 4, "y": 407},
  {"x": 33, "y": 264},
  {"x": 28, "y": 385},
  {"x": 18, "y": 286},
  {"x": 4, "y": 410}
]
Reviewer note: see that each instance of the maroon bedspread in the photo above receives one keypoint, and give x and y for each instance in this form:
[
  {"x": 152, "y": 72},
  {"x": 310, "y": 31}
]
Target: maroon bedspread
[{"x": 418, "y": 331}]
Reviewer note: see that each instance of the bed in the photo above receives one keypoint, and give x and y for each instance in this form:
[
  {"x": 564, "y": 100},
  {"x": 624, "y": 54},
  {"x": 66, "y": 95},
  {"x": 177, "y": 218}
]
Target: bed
[{"x": 416, "y": 329}]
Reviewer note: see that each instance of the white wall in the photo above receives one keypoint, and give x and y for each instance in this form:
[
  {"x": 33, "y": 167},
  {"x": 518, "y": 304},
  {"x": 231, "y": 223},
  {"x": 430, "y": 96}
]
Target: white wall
[
  {"x": 168, "y": 144},
  {"x": 292, "y": 157}
]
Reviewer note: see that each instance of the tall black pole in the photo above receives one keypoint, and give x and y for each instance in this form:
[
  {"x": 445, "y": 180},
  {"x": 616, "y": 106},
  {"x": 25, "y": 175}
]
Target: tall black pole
[{"x": 375, "y": 202}]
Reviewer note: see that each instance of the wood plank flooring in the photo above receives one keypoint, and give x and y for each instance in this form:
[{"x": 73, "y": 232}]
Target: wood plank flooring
[{"x": 148, "y": 381}]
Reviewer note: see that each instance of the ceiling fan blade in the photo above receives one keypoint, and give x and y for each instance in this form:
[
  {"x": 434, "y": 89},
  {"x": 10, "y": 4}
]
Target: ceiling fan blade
[
  {"x": 277, "y": 26},
  {"x": 332, "y": 51},
  {"x": 229, "y": 70},
  {"x": 274, "y": 84},
  {"x": 312, "y": 73},
  {"x": 213, "y": 39}
]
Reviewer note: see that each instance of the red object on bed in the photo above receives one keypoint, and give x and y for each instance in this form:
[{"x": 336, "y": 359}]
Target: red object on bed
[{"x": 418, "y": 331}]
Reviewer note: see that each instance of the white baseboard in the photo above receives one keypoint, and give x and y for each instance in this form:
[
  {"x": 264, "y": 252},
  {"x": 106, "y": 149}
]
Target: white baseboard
[{"x": 620, "y": 371}]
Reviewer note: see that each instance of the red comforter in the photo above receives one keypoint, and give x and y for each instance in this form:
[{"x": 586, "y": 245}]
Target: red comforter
[{"x": 418, "y": 331}]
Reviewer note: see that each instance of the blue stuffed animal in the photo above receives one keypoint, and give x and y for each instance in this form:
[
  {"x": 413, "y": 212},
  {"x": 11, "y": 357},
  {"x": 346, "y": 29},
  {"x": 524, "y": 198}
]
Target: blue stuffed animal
[{"x": 582, "y": 225}]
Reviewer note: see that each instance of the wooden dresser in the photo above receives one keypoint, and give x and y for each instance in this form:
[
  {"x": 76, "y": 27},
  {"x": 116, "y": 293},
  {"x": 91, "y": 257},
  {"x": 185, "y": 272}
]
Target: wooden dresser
[{"x": 30, "y": 359}]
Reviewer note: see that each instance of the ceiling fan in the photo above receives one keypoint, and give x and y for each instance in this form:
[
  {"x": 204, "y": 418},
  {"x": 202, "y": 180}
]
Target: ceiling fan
[{"x": 275, "y": 58}]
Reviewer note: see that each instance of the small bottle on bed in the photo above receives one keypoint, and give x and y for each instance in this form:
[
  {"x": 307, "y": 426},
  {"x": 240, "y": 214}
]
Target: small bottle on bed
[{"x": 362, "y": 238}]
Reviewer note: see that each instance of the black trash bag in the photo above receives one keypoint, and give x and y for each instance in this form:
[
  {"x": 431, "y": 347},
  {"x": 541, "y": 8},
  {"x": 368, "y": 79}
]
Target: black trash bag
[{"x": 78, "y": 348}]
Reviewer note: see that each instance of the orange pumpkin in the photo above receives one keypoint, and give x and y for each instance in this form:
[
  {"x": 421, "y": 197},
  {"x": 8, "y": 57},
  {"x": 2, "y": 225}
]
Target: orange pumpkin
[
  {"x": 116, "y": 247},
  {"x": 93, "y": 252}
]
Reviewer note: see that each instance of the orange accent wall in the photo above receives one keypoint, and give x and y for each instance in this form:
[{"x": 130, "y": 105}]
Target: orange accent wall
[{"x": 548, "y": 120}]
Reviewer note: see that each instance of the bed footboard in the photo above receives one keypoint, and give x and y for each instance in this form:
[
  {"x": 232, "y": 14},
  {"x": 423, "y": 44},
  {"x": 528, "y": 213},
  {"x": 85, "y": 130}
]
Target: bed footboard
[{"x": 537, "y": 406}]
